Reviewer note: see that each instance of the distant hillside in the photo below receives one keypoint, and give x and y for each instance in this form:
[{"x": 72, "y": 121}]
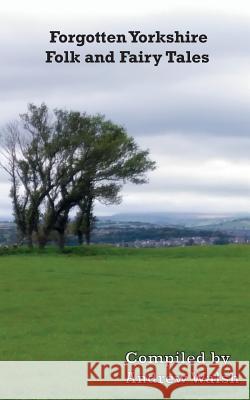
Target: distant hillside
[
  {"x": 239, "y": 224},
  {"x": 166, "y": 219},
  {"x": 7, "y": 232},
  {"x": 115, "y": 232}
]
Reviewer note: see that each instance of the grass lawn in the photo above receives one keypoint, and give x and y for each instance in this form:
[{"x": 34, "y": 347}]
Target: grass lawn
[{"x": 101, "y": 305}]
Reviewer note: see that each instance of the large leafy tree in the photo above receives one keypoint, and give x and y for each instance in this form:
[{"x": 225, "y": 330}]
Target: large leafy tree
[
  {"x": 64, "y": 160},
  {"x": 109, "y": 158},
  {"x": 31, "y": 158}
]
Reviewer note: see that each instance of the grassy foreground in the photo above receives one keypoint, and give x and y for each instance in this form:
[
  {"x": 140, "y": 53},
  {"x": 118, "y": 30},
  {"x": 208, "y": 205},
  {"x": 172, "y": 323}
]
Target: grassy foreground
[{"x": 101, "y": 302}]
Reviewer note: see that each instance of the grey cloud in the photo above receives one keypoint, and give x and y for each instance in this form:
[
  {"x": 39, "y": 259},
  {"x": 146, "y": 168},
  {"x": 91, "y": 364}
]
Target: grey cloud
[
  {"x": 190, "y": 112},
  {"x": 186, "y": 148},
  {"x": 173, "y": 185}
]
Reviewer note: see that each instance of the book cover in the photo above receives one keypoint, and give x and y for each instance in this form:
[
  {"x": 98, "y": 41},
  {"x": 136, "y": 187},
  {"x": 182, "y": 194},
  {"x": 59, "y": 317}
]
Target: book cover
[{"x": 124, "y": 205}]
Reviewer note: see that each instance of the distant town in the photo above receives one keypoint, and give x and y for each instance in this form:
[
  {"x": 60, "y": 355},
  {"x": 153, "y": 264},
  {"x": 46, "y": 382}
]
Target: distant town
[{"x": 183, "y": 242}]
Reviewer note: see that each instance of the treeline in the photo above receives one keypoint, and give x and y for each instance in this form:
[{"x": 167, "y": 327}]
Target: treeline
[
  {"x": 116, "y": 235},
  {"x": 61, "y": 162}
]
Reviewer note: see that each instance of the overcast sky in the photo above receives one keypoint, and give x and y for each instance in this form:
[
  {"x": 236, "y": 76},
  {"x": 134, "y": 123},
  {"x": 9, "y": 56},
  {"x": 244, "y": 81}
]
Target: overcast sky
[{"x": 194, "y": 118}]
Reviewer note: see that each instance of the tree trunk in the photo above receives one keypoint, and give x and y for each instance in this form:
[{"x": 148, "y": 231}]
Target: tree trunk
[
  {"x": 88, "y": 221},
  {"x": 61, "y": 240},
  {"x": 88, "y": 226},
  {"x": 30, "y": 242},
  {"x": 87, "y": 236},
  {"x": 42, "y": 241},
  {"x": 80, "y": 238}
]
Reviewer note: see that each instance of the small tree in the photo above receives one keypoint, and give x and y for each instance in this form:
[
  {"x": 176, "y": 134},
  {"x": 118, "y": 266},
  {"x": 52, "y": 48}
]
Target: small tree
[
  {"x": 109, "y": 158},
  {"x": 82, "y": 227},
  {"x": 9, "y": 163}
]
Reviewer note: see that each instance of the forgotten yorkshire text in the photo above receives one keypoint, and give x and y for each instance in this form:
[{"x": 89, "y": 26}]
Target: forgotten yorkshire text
[{"x": 176, "y": 47}]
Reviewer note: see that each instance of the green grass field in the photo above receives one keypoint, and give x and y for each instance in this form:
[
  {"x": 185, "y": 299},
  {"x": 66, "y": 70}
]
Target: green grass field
[{"x": 101, "y": 302}]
